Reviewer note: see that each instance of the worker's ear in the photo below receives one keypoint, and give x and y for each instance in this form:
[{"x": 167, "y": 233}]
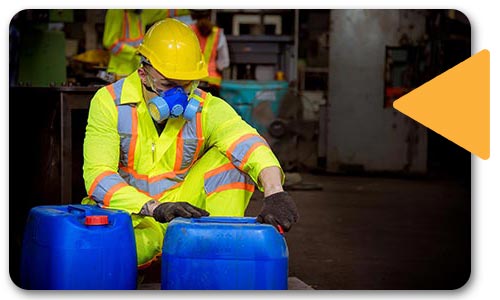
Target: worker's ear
[{"x": 142, "y": 75}]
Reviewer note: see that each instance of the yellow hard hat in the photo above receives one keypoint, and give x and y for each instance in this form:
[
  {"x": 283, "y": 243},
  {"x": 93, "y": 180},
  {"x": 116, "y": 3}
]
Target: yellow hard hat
[{"x": 174, "y": 50}]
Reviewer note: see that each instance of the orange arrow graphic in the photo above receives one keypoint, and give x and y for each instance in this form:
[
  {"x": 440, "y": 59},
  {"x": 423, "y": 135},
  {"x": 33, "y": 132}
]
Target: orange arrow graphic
[{"x": 456, "y": 104}]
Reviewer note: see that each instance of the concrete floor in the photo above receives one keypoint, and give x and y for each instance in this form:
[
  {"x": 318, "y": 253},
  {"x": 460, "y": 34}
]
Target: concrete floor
[
  {"x": 293, "y": 284},
  {"x": 377, "y": 233},
  {"x": 380, "y": 233}
]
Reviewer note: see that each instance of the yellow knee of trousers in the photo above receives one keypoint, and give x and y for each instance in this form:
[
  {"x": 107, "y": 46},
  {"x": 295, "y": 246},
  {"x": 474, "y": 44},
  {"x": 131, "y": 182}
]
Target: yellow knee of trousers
[
  {"x": 217, "y": 186},
  {"x": 149, "y": 236},
  {"x": 213, "y": 184}
]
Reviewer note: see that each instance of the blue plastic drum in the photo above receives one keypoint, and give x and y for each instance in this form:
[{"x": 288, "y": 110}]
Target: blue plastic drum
[
  {"x": 78, "y": 247},
  {"x": 223, "y": 253}
]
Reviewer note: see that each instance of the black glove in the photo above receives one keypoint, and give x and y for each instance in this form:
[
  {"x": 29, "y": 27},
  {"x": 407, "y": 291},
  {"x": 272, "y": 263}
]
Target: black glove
[
  {"x": 279, "y": 209},
  {"x": 167, "y": 211}
]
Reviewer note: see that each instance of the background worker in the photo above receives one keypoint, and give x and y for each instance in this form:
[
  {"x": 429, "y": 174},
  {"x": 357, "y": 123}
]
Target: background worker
[
  {"x": 158, "y": 147},
  {"x": 124, "y": 30},
  {"x": 214, "y": 46}
]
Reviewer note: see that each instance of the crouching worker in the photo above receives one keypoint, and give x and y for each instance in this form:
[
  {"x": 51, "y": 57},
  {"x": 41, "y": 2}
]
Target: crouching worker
[{"x": 159, "y": 148}]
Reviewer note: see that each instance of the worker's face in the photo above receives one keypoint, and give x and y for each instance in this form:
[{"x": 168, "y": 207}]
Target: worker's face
[
  {"x": 158, "y": 83},
  {"x": 204, "y": 26}
]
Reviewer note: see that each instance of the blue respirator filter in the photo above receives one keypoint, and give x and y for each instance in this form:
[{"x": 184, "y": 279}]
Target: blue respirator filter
[{"x": 173, "y": 103}]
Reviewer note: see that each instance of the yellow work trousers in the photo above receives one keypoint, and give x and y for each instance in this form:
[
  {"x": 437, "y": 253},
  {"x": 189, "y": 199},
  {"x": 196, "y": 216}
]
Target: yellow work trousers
[{"x": 149, "y": 234}]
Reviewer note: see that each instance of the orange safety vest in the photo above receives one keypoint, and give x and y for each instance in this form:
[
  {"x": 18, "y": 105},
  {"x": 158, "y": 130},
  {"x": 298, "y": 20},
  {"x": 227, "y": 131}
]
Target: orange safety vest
[{"x": 209, "y": 47}]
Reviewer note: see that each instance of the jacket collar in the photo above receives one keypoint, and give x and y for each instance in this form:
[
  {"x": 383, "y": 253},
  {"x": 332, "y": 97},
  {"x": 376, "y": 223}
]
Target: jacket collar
[{"x": 132, "y": 89}]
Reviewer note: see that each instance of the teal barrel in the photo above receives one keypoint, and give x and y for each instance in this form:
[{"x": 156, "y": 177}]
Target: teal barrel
[
  {"x": 78, "y": 247},
  {"x": 223, "y": 253},
  {"x": 250, "y": 97}
]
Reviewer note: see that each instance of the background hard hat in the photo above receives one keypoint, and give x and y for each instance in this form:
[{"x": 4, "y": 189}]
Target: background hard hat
[{"x": 173, "y": 49}]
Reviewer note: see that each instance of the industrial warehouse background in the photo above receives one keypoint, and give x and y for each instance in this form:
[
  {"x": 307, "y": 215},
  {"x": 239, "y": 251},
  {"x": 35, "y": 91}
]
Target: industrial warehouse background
[{"x": 384, "y": 203}]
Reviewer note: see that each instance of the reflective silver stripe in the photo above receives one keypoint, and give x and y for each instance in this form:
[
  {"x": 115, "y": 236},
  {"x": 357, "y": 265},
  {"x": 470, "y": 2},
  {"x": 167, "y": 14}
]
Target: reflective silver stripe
[
  {"x": 127, "y": 25},
  {"x": 153, "y": 188},
  {"x": 242, "y": 148},
  {"x": 198, "y": 92},
  {"x": 125, "y": 175},
  {"x": 117, "y": 88},
  {"x": 226, "y": 177},
  {"x": 189, "y": 142},
  {"x": 134, "y": 43},
  {"x": 116, "y": 47},
  {"x": 180, "y": 177},
  {"x": 158, "y": 187},
  {"x": 104, "y": 185},
  {"x": 190, "y": 139},
  {"x": 124, "y": 122},
  {"x": 140, "y": 184},
  {"x": 125, "y": 131}
]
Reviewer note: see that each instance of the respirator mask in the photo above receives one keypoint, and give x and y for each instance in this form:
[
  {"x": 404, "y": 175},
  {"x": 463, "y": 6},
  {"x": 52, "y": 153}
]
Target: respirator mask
[{"x": 173, "y": 102}]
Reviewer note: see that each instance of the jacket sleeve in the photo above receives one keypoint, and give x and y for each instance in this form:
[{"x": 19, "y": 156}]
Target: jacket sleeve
[
  {"x": 237, "y": 140},
  {"x": 101, "y": 154},
  {"x": 113, "y": 33},
  {"x": 223, "y": 60}
]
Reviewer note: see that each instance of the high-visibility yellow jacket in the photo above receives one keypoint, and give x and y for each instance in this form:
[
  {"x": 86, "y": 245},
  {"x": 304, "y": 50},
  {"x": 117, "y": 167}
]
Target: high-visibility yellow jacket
[
  {"x": 123, "y": 32},
  {"x": 209, "y": 47},
  {"x": 127, "y": 164}
]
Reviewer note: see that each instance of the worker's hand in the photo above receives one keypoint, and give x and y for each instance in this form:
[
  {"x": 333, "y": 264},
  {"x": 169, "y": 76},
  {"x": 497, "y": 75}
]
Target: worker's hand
[
  {"x": 167, "y": 211},
  {"x": 279, "y": 209}
]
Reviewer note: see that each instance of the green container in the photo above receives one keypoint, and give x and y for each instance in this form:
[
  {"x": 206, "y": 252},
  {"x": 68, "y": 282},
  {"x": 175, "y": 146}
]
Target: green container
[{"x": 42, "y": 59}]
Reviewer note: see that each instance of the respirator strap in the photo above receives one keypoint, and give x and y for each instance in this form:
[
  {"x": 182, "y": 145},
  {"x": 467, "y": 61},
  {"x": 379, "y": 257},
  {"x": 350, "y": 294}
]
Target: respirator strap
[{"x": 150, "y": 89}]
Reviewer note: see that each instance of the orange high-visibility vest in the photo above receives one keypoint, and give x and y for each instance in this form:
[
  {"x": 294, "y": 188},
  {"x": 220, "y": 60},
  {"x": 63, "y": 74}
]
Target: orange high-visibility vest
[{"x": 209, "y": 47}]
